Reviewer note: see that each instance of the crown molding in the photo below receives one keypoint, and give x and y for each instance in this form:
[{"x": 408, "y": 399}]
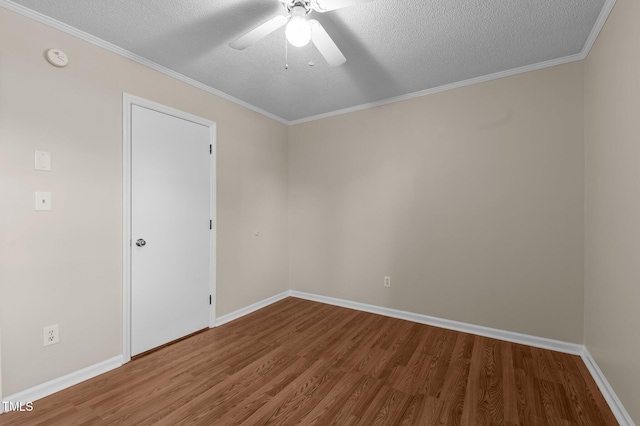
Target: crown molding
[
  {"x": 597, "y": 27},
  {"x": 53, "y": 23},
  {"x": 595, "y": 31},
  {"x": 443, "y": 88},
  {"x": 599, "y": 24}
]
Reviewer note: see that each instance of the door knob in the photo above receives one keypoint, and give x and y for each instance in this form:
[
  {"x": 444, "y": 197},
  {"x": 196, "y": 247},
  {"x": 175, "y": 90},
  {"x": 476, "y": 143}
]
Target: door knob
[{"x": 140, "y": 242}]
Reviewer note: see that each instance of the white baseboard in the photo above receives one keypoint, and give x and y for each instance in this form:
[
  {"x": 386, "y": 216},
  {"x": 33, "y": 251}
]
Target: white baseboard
[
  {"x": 509, "y": 336},
  {"x": 610, "y": 396},
  {"x": 251, "y": 308},
  {"x": 55, "y": 385},
  {"x": 539, "y": 342}
]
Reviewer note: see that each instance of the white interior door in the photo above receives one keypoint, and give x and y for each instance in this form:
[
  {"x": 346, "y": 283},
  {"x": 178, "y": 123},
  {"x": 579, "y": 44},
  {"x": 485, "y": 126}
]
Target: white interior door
[{"x": 170, "y": 241}]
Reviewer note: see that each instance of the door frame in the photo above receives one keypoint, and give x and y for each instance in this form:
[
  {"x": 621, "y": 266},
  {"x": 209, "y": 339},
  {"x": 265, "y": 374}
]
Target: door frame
[{"x": 127, "y": 103}]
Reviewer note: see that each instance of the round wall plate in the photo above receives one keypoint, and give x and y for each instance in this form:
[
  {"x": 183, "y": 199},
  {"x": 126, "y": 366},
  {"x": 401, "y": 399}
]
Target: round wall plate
[{"x": 57, "y": 58}]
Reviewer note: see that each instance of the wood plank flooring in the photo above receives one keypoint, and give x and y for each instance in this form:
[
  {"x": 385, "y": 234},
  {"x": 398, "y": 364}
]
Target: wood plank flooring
[{"x": 301, "y": 362}]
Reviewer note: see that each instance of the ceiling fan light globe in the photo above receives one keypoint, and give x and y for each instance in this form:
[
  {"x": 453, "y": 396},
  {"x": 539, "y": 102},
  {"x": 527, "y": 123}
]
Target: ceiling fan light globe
[{"x": 298, "y": 31}]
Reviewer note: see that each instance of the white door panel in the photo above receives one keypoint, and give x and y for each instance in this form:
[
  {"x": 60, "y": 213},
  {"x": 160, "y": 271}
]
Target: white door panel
[{"x": 170, "y": 211}]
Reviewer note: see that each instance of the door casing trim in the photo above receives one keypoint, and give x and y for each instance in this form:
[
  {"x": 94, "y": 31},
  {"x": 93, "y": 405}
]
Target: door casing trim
[{"x": 127, "y": 102}]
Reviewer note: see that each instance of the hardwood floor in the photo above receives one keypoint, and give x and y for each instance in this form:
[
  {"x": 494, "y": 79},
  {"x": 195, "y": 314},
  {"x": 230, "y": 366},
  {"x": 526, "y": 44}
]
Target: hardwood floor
[{"x": 301, "y": 362}]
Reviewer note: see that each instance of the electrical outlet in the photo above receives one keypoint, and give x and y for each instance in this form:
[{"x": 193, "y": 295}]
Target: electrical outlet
[
  {"x": 387, "y": 281},
  {"x": 51, "y": 335}
]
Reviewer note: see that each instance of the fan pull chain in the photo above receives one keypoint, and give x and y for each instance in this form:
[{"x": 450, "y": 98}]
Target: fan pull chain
[{"x": 286, "y": 54}]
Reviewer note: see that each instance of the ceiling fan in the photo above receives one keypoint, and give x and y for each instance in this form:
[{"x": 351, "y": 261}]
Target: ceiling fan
[{"x": 300, "y": 29}]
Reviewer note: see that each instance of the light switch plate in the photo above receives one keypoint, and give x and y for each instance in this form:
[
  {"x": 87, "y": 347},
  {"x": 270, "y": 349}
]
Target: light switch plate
[
  {"x": 43, "y": 161},
  {"x": 43, "y": 201}
]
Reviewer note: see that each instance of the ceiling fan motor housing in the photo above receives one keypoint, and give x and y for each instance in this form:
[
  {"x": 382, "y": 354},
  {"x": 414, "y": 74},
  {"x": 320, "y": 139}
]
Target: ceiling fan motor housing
[
  {"x": 300, "y": 29},
  {"x": 299, "y": 6}
]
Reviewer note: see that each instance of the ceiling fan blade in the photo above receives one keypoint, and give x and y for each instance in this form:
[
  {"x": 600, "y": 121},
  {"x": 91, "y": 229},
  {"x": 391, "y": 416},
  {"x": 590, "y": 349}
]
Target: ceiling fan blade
[
  {"x": 325, "y": 44},
  {"x": 328, "y": 5},
  {"x": 259, "y": 32}
]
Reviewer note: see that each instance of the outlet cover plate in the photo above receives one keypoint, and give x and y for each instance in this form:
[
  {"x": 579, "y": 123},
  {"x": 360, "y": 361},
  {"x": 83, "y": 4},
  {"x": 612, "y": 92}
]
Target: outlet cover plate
[
  {"x": 43, "y": 201},
  {"x": 51, "y": 335}
]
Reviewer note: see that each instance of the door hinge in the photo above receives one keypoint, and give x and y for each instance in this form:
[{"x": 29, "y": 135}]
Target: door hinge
[
  {"x": 210, "y": 149},
  {"x": 210, "y": 224},
  {"x": 209, "y": 299}
]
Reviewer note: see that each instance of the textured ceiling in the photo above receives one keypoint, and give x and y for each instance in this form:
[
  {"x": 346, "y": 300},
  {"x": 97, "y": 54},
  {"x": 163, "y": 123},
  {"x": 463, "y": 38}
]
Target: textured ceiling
[{"x": 393, "y": 47}]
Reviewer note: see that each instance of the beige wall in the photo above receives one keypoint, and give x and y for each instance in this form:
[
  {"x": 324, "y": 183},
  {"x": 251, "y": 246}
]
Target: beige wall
[
  {"x": 612, "y": 279},
  {"x": 65, "y": 266},
  {"x": 470, "y": 199}
]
